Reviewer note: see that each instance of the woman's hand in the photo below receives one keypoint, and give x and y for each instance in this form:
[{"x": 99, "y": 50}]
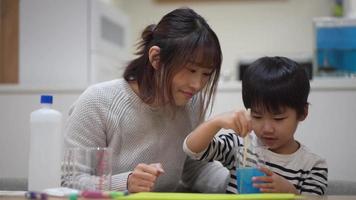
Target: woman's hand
[
  {"x": 143, "y": 177},
  {"x": 273, "y": 183}
]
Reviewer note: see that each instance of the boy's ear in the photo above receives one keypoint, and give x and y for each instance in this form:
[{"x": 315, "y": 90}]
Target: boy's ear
[
  {"x": 153, "y": 56},
  {"x": 305, "y": 114}
]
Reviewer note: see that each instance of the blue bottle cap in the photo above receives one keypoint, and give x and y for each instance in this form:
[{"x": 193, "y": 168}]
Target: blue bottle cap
[{"x": 48, "y": 99}]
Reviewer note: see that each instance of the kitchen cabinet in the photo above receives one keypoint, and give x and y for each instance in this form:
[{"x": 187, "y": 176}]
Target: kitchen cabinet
[{"x": 71, "y": 44}]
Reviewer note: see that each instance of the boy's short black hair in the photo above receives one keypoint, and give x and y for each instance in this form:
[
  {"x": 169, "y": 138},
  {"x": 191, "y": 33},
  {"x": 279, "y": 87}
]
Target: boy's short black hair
[{"x": 275, "y": 82}]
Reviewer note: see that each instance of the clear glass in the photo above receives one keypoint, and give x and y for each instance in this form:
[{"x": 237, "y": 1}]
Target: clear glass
[{"x": 87, "y": 168}]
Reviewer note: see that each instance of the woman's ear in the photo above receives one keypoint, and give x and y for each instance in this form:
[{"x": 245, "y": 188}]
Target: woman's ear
[
  {"x": 305, "y": 114},
  {"x": 153, "y": 55}
]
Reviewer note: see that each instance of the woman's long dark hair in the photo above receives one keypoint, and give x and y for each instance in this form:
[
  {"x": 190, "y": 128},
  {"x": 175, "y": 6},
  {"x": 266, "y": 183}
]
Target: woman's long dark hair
[{"x": 182, "y": 36}]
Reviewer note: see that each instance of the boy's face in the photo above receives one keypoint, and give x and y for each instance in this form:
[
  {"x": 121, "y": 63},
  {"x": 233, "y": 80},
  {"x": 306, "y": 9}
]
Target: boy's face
[{"x": 276, "y": 130}]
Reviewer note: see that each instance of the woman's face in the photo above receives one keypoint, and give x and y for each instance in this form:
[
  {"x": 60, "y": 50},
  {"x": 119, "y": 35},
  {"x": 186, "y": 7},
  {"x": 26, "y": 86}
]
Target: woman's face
[{"x": 189, "y": 81}]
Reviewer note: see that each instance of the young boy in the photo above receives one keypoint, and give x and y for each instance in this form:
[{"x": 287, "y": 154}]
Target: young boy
[{"x": 276, "y": 90}]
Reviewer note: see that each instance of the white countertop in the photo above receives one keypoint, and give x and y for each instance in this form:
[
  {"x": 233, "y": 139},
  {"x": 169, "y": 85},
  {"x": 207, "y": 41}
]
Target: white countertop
[
  {"x": 317, "y": 84},
  {"x": 28, "y": 89}
]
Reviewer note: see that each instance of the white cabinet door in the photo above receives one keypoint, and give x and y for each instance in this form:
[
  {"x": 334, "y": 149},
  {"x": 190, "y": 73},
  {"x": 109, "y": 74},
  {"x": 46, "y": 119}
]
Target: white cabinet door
[
  {"x": 109, "y": 41},
  {"x": 70, "y": 43},
  {"x": 54, "y": 43}
]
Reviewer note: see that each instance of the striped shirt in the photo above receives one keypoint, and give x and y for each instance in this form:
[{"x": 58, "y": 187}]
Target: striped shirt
[{"x": 305, "y": 170}]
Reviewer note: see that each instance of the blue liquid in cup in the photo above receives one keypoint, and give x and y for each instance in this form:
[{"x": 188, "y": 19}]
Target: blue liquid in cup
[{"x": 244, "y": 179}]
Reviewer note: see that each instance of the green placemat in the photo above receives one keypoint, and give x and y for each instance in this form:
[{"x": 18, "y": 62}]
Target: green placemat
[{"x": 200, "y": 196}]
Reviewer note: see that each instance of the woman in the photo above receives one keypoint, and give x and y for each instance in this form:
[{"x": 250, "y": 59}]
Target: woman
[{"x": 145, "y": 117}]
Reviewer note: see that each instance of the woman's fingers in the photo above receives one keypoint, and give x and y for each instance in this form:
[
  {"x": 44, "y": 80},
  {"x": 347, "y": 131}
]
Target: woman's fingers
[
  {"x": 143, "y": 183},
  {"x": 153, "y": 169},
  {"x": 137, "y": 188},
  {"x": 158, "y": 167},
  {"x": 144, "y": 176}
]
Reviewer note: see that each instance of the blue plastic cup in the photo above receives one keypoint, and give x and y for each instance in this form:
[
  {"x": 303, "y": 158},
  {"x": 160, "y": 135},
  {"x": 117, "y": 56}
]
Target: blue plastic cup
[{"x": 244, "y": 179}]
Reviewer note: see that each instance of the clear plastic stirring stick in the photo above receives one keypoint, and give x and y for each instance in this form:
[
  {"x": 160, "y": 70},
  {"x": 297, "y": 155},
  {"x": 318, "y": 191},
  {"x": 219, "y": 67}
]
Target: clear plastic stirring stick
[{"x": 246, "y": 144}]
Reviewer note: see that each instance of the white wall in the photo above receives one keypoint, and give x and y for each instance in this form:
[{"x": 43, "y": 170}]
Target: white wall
[
  {"x": 330, "y": 131},
  {"x": 245, "y": 28}
]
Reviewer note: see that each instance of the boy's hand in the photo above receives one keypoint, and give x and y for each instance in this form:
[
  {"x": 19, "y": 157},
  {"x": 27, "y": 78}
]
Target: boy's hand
[
  {"x": 239, "y": 121},
  {"x": 143, "y": 177},
  {"x": 273, "y": 183},
  {"x": 200, "y": 138}
]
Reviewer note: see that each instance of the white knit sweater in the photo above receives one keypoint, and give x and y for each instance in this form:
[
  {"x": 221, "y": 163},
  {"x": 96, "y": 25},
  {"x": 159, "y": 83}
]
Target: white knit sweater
[{"x": 110, "y": 114}]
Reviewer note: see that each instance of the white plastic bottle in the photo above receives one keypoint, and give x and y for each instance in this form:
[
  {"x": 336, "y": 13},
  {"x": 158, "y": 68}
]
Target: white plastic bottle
[{"x": 45, "y": 147}]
